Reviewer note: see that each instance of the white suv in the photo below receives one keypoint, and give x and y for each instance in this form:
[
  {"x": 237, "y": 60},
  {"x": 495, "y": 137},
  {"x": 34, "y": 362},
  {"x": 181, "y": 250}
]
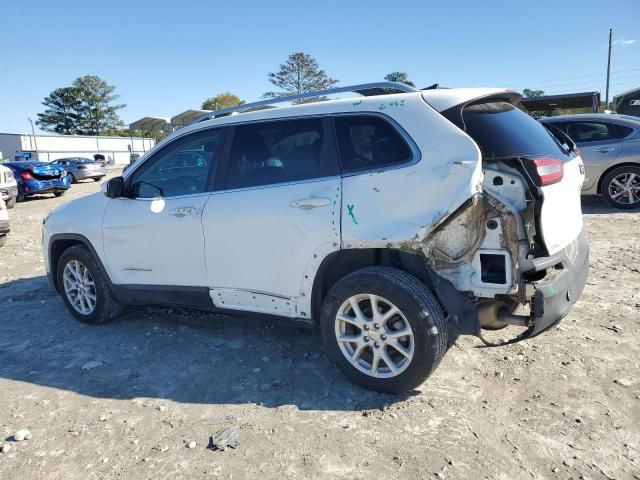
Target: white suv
[{"x": 396, "y": 220}]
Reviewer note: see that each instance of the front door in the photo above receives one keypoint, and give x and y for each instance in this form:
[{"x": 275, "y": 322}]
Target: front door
[
  {"x": 153, "y": 236},
  {"x": 275, "y": 210}
]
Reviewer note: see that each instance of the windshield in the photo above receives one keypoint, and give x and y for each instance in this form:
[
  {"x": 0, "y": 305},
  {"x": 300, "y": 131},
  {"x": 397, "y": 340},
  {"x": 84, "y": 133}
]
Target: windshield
[{"x": 502, "y": 130}]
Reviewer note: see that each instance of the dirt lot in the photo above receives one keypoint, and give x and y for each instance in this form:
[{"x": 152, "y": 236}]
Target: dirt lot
[{"x": 124, "y": 400}]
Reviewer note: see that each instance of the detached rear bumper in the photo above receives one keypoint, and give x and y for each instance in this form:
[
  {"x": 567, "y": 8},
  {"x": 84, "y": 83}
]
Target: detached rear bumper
[{"x": 555, "y": 294}]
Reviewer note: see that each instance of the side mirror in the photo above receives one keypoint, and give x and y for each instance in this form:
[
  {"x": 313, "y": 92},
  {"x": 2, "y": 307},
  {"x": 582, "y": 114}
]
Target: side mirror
[{"x": 115, "y": 187}]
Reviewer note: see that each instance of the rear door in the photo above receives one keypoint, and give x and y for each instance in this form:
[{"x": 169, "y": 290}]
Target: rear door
[
  {"x": 276, "y": 211},
  {"x": 599, "y": 144},
  {"x": 154, "y": 235}
]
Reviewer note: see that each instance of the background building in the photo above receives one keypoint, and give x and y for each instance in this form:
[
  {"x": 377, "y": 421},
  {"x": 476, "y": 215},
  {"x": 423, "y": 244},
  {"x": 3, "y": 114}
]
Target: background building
[
  {"x": 45, "y": 148},
  {"x": 628, "y": 103}
]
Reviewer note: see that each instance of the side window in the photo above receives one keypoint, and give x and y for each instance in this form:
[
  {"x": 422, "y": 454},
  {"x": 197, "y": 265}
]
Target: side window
[
  {"x": 582, "y": 132},
  {"x": 278, "y": 151},
  {"x": 180, "y": 168},
  {"x": 367, "y": 141},
  {"x": 623, "y": 131}
]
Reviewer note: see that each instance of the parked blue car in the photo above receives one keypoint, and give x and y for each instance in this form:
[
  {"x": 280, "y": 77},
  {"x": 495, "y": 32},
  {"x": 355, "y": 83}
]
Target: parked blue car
[{"x": 39, "y": 177}]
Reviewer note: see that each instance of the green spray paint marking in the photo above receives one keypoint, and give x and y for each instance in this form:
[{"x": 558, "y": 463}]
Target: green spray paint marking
[
  {"x": 351, "y": 214},
  {"x": 355, "y": 104},
  {"x": 552, "y": 289},
  {"x": 528, "y": 225},
  {"x": 396, "y": 103}
]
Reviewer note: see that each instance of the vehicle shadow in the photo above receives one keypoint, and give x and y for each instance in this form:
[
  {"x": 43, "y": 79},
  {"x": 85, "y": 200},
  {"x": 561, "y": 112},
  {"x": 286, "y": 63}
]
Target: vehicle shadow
[
  {"x": 595, "y": 205},
  {"x": 177, "y": 354}
]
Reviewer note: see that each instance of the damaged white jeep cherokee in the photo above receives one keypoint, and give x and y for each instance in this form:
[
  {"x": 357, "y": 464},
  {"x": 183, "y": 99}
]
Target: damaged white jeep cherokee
[{"x": 397, "y": 220}]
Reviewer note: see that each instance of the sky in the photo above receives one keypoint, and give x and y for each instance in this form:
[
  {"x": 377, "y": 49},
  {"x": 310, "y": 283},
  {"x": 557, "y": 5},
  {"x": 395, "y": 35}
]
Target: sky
[{"x": 167, "y": 57}]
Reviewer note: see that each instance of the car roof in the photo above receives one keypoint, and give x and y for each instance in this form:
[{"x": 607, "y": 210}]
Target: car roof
[{"x": 603, "y": 117}]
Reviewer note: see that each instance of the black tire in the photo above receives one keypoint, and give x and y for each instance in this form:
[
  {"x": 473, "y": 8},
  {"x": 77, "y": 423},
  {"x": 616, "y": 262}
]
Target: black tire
[
  {"x": 59, "y": 193},
  {"x": 107, "y": 306},
  {"x": 11, "y": 202},
  {"x": 3, "y": 240},
  {"x": 72, "y": 178},
  {"x": 97, "y": 179},
  {"x": 19, "y": 198},
  {"x": 418, "y": 305},
  {"x": 608, "y": 179}
]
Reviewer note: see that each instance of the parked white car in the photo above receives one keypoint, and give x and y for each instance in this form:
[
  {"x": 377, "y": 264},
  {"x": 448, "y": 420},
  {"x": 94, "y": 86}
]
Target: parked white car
[
  {"x": 4, "y": 223},
  {"x": 8, "y": 186},
  {"x": 397, "y": 221}
]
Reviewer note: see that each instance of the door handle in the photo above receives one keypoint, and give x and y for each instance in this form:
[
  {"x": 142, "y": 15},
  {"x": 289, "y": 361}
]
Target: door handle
[
  {"x": 184, "y": 212},
  {"x": 310, "y": 203},
  {"x": 605, "y": 149}
]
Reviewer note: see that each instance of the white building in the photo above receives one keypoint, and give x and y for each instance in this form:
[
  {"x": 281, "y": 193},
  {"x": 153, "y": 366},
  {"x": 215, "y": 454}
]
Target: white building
[{"x": 45, "y": 148}]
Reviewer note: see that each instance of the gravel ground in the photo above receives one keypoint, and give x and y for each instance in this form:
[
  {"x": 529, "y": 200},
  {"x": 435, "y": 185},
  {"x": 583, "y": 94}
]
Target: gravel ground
[{"x": 129, "y": 399}]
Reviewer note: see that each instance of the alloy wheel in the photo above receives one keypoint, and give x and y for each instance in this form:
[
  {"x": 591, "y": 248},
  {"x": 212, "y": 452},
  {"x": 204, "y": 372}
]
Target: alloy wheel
[
  {"x": 374, "y": 336},
  {"x": 625, "y": 188},
  {"x": 79, "y": 287}
]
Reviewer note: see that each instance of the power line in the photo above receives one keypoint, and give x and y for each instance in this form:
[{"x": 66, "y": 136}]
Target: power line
[{"x": 540, "y": 82}]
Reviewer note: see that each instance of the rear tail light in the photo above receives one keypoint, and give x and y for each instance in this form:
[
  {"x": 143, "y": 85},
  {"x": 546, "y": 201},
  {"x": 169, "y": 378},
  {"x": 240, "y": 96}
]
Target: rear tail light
[
  {"x": 548, "y": 170},
  {"x": 26, "y": 176},
  {"x": 83, "y": 167}
]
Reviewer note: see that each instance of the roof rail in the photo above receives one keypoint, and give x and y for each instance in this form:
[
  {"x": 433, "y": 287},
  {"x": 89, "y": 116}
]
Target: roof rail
[{"x": 364, "y": 89}]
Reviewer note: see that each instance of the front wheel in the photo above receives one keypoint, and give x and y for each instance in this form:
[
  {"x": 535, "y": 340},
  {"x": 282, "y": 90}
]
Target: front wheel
[
  {"x": 85, "y": 288},
  {"x": 59, "y": 193},
  {"x": 384, "y": 329},
  {"x": 621, "y": 187}
]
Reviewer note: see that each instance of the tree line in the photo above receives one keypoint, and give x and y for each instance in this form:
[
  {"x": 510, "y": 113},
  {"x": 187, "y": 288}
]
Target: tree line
[{"x": 89, "y": 105}]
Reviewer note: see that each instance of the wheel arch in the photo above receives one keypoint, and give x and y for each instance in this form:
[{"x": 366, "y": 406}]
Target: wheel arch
[
  {"x": 338, "y": 264},
  {"x": 59, "y": 243},
  {"x": 610, "y": 169}
]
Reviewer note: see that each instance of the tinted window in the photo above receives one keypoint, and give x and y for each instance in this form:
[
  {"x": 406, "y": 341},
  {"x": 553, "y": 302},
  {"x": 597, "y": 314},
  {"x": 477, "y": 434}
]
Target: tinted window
[
  {"x": 180, "y": 168},
  {"x": 623, "y": 131},
  {"x": 366, "y": 142},
  {"x": 274, "y": 152},
  {"x": 592, "y": 131},
  {"x": 502, "y": 131}
]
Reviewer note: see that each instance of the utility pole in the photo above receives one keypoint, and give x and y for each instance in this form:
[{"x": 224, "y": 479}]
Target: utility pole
[
  {"x": 606, "y": 102},
  {"x": 33, "y": 133}
]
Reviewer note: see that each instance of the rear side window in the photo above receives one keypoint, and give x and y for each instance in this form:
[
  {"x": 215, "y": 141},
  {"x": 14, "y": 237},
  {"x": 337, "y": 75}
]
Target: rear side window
[
  {"x": 266, "y": 153},
  {"x": 623, "y": 131},
  {"x": 504, "y": 131},
  {"x": 367, "y": 141}
]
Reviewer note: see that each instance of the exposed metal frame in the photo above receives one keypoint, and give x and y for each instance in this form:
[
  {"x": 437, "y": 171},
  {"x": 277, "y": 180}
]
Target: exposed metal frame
[{"x": 364, "y": 89}]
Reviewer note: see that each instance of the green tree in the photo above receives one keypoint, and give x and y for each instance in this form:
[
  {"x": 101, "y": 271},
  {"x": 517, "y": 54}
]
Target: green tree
[
  {"x": 61, "y": 114},
  {"x": 222, "y": 100},
  {"x": 400, "y": 77},
  {"x": 528, "y": 93},
  {"x": 97, "y": 112},
  {"x": 299, "y": 74},
  {"x": 84, "y": 108}
]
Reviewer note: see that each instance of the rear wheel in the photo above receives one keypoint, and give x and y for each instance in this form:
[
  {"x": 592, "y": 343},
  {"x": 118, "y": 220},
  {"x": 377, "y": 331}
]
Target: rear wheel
[
  {"x": 11, "y": 203},
  {"x": 59, "y": 193},
  {"x": 72, "y": 179},
  {"x": 621, "y": 187},
  {"x": 85, "y": 288},
  {"x": 384, "y": 329}
]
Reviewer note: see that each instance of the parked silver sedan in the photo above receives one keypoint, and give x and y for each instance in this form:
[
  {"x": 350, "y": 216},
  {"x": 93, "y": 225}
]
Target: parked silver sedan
[
  {"x": 80, "y": 168},
  {"x": 610, "y": 148}
]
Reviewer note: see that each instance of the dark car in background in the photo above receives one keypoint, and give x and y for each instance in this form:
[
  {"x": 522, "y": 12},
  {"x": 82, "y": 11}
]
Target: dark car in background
[
  {"x": 610, "y": 149},
  {"x": 39, "y": 177},
  {"x": 80, "y": 168}
]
